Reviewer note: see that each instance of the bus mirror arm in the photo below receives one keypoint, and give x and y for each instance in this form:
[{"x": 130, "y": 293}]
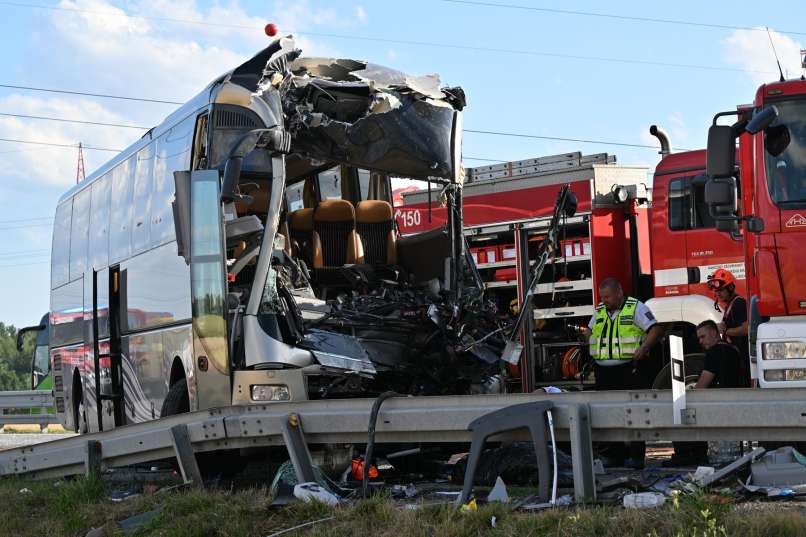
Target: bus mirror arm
[
  {"x": 275, "y": 140},
  {"x": 22, "y": 331}
]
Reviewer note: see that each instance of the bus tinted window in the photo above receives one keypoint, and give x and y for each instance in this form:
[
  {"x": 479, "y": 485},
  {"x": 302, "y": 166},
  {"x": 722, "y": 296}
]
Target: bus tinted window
[
  {"x": 143, "y": 181},
  {"x": 172, "y": 154},
  {"x": 330, "y": 184},
  {"x": 121, "y": 217},
  {"x": 78, "y": 234},
  {"x": 60, "y": 251},
  {"x": 99, "y": 224}
]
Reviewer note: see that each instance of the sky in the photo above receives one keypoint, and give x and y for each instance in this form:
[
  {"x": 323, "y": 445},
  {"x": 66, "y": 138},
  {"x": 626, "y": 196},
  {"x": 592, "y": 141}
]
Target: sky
[{"x": 593, "y": 71}]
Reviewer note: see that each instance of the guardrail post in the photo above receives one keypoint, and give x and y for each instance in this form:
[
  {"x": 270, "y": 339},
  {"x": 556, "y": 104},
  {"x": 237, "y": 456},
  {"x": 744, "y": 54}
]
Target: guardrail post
[
  {"x": 298, "y": 449},
  {"x": 582, "y": 452},
  {"x": 185, "y": 455},
  {"x": 92, "y": 458}
]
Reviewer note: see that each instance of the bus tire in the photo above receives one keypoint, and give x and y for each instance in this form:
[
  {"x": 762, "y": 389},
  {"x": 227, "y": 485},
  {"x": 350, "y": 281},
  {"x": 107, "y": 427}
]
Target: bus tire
[
  {"x": 80, "y": 415},
  {"x": 177, "y": 401}
]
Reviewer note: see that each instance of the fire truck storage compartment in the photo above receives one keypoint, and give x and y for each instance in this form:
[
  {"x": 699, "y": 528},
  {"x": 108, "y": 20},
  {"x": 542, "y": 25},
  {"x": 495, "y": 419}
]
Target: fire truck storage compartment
[{"x": 592, "y": 245}]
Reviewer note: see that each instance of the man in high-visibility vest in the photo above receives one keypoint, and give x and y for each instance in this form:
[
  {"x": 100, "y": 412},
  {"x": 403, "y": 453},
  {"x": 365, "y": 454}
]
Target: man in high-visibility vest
[{"x": 620, "y": 334}]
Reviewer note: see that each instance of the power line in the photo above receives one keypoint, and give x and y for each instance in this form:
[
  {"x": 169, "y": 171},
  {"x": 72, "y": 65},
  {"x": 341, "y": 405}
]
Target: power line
[
  {"x": 62, "y": 120},
  {"x": 614, "y": 16},
  {"x": 47, "y": 262},
  {"x": 85, "y": 94},
  {"x": 559, "y": 139},
  {"x": 401, "y": 42},
  {"x": 25, "y": 220},
  {"x": 53, "y": 144}
]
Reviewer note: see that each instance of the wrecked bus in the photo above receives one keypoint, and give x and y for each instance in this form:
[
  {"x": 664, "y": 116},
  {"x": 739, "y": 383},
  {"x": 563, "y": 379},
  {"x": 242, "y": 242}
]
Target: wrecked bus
[{"x": 244, "y": 251}]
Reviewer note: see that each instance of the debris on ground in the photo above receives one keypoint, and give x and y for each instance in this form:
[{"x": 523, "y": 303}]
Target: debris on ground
[
  {"x": 300, "y": 526},
  {"x": 285, "y": 479},
  {"x": 469, "y": 506},
  {"x": 784, "y": 467},
  {"x": 309, "y": 492},
  {"x": 498, "y": 492},
  {"x": 644, "y": 500}
]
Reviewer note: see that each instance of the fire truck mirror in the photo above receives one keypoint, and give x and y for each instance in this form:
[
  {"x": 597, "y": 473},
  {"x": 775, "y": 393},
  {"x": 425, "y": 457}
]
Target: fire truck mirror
[
  {"x": 728, "y": 226},
  {"x": 721, "y": 159},
  {"x": 761, "y": 120},
  {"x": 721, "y": 193}
]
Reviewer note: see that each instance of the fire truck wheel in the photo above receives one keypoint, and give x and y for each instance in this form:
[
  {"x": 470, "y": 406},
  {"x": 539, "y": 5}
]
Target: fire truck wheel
[{"x": 177, "y": 401}]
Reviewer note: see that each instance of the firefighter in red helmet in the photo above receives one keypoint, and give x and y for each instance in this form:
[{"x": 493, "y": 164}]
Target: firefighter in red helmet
[{"x": 733, "y": 327}]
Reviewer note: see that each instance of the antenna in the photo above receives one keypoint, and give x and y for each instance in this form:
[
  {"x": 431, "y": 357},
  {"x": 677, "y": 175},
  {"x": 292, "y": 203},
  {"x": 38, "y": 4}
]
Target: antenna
[
  {"x": 80, "y": 169},
  {"x": 781, "y": 71}
]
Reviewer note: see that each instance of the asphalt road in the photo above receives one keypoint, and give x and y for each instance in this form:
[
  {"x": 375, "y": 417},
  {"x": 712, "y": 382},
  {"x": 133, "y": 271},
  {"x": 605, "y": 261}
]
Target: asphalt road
[{"x": 13, "y": 440}]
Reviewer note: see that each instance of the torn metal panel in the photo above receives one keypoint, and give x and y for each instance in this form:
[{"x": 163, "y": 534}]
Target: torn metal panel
[
  {"x": 340, "y": 351},
  {"x": 372, "y": 116}
]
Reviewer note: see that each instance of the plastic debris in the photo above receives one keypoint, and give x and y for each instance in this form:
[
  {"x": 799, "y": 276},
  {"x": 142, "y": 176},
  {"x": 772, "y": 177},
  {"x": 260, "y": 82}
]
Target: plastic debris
[
  {"x": 644, "y": 500},
  {"x": 25, "y": 491},
  {"x": 598, "y": 467},
  {"x": 780, "y": 468},
  {"x": 470, "y": 506},
  {"x": 492, "y": 521},
  {"x": 732, "y": 467},
  {"x": 312, "y": 491},
  {"x": 125, "y": 493},
  {"x": 701, "y": 473},
  {"x": 404, "y": 491},
  {"x": 499, "y": 492}
]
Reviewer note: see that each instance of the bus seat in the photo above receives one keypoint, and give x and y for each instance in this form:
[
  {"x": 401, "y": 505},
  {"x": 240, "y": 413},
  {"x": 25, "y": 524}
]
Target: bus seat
[
  {"x": 283, "y": 230},
  {"x": 300, "y": 229},
  {"x": 374, "y": 223},
  {"x": 335, "y": 242}
]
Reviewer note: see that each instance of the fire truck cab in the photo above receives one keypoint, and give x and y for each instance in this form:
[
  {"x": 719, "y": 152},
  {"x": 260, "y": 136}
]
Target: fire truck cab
[{"x": 769, "y": 206}]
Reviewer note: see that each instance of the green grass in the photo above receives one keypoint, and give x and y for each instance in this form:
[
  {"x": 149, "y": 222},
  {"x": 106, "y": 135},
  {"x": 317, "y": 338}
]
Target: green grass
[{"x": 70, "y": 508}]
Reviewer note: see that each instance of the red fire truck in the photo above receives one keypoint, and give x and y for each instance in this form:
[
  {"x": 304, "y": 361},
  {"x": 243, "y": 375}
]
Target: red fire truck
[
  {"x": 661, "y": 243},
  {"x": 768, "y": 206}
]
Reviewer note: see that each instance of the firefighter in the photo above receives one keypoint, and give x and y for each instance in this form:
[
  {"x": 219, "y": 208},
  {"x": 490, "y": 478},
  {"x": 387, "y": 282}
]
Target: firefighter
[
  {"x": 620, "y": 334},
  {"x": 733, "y": 327}
]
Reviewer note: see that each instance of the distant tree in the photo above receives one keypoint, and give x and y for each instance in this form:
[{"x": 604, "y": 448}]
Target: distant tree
[{"x": 15, "y": 366}]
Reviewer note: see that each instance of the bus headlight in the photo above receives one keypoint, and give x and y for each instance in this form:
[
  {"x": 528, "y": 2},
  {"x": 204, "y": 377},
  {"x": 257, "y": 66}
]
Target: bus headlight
[
  {"x": 270, "y": 392},
  {"x": 788, "y": 350}
]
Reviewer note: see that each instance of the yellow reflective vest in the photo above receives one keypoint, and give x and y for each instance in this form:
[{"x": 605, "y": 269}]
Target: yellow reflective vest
[{"x": 614, "y": 341}]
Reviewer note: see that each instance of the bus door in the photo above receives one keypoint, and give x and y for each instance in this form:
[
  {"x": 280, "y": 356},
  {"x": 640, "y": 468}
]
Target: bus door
[{"x": 108, "y": 379}]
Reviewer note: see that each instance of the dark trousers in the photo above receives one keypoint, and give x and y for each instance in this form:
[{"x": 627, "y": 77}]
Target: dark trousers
[{"x": 630, "y": 376}]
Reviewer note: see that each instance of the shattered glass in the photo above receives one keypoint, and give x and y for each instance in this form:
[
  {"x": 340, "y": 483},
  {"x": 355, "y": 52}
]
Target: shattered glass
[{"x": 271, "y": 303}]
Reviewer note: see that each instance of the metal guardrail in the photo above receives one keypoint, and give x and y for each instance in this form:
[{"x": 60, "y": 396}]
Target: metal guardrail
[
  {"x": 28, "y": 407},
  {"x": 583, "y": 417}
]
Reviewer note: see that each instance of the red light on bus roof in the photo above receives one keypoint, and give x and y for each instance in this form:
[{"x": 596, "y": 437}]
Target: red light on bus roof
[{"x": 271, "y": 29}]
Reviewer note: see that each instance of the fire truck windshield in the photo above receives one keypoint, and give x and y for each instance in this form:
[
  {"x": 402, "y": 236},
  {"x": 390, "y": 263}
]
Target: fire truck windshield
[{"x": 785, "y": 154}]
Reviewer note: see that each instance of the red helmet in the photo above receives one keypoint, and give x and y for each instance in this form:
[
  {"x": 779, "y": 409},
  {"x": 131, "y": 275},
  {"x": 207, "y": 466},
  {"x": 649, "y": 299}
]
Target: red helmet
[{"x": 720, "y": 278}]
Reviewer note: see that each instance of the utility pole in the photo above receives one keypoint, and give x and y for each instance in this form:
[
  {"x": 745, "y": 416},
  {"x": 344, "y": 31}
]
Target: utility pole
[{"x": 80, "y": 170}]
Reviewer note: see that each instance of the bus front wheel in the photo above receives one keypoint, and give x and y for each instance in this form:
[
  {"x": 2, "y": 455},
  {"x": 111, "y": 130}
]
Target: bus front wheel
[{"x": 177, "y": 401}]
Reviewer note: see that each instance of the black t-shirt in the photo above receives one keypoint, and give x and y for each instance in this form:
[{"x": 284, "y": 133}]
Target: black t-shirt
[
  {"x": 724, "y": 361},
  {"x": 734, "y": 317}
]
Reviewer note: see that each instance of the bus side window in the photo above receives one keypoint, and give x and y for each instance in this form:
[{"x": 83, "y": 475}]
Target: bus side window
[
  {"x": 78, "y": 234},
  {"x": 99, "y": 224},
  {"x": 143, "y": 183},
  {"x": 172, "y": 154},
  {"x": 330, "y": 184},
  {"x": 120, "y": 222},
  {"x": 60, "y": 252}
]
